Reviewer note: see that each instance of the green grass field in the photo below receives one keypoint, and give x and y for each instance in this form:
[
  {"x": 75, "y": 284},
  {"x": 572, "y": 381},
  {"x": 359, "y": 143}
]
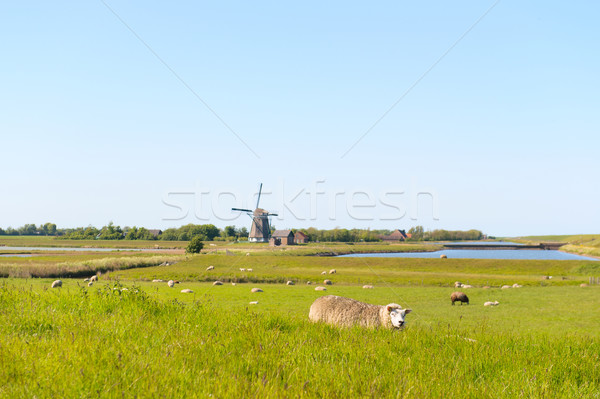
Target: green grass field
[
  {"x": 155, "y": 341},
  {"x": 149, "y": 340}
]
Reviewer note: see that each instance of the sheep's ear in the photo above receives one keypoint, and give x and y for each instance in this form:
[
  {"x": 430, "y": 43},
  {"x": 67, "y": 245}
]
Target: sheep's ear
[
  {"x": 389, "y": 308},
  {"x": 407, "y": 311}
]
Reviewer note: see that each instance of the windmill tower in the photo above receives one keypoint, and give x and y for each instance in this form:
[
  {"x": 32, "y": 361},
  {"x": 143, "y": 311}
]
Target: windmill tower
[{"x": 261, "y": 229}]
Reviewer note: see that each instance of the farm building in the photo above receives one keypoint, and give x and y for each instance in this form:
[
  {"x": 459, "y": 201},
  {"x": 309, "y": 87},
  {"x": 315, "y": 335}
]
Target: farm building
[
  {"x": 396, "y": 235},
  {"x": 285, "y": 237},
  {"x": 155, "y": 232},
  {"x": 300, "y": 238}
]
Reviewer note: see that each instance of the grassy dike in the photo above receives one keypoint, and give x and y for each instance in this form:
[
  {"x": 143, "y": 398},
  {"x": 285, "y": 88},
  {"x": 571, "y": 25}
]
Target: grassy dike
[{"x": 152, "y": 341}]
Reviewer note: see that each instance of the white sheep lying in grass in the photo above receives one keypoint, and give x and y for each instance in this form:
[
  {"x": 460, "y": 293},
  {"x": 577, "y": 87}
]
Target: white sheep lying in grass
[
  {"x": 187, "y": 291},
  {"x": 346, "y": 312},
  {"x": 495, "y": 303},
  {"x": 211, "y": 267},
  {"x": 249, "y": 270},
  {"x": 242, "y": 269}
]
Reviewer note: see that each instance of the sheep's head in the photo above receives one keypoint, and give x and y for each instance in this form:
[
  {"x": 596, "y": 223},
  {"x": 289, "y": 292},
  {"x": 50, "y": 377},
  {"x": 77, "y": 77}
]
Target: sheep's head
[{"x": 397, "y": 314}]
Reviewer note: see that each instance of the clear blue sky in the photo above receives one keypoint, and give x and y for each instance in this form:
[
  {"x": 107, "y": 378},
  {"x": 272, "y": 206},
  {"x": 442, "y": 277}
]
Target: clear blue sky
[{"x": 502, "y": 131}]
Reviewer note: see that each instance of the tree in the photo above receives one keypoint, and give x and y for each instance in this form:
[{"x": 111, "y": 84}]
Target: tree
[
  {"x": 195, "y": 246},
  {"x": 28, "y": 230},
  {"x": 416, "y": 233},
  {"x": 49, "y": 229},
  {"x": 229, "y": 231},
  {"x": 111, "y": 232}
]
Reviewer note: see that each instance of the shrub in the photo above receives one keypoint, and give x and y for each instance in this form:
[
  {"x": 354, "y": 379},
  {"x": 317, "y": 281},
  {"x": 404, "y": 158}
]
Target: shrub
[{"x": 195, "y": 246}]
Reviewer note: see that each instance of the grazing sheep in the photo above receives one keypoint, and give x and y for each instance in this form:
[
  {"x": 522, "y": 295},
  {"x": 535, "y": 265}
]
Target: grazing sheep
[
  {"x": 233, "y": 284},
  {"x": 289, "y": 283},
  {"x": 308, "y": 282},
  {"x": 327, "y": 282},
  {"x": 256, "y": 290},
  {"x": 242, "y": 269},
  {"x": 332, "y": 271},
  {"x": 86, "y": 280},
  {"x": 324, "y": 272},
  {"x": 346, "y": 312},
  {"x": 443, "y": 256},
  {"x": 504, "y": 287},
  {"x": 515, "y": 285},
  {"x": 187, "y": 291},
  {"x": 171, "y": 283},
  {"x": 249, "y": 270},
  {"x": 217, "y": 283},
  {"x": 486, "y": 287},
  {"x": 319, "y": 288},
  {"x": 94, "y": 278},
  {"x": 254, "y": 303},
  {"x": 459, "y": 296},
  {"x": 247, "y": 253},
  {"x": 56, "y": 284},
  {"x": 583, "y": 285},
  {"x": 211, "y": 267},
  {"x": 158, "y": 281},
  {"x": 495, "y": 303},
  {"x": 176, "y": 281},
  {"x": 457, "y": 284},
  {"x": 368, "y": 287},
  {"x": 90, "y": 283},
  {"x": 467, "y": 286}
]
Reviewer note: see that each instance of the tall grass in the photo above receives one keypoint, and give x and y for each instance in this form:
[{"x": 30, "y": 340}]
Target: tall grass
[
  {"x": 85, "y": 267},
  {"x": 112, "y": 343}
]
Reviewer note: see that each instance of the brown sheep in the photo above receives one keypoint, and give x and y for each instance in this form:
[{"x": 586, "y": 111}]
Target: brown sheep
[{"x": 459, "y": 296}]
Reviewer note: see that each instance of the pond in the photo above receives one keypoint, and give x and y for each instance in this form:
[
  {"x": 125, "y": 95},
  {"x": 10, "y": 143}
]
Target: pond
[{"x": 479, "y": 254}]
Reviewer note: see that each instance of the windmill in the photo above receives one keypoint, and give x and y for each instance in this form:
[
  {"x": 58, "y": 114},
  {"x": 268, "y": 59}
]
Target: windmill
[{"x": 261, "y": 230}]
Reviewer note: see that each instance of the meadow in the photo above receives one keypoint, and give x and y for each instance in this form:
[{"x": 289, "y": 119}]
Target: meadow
[
  {"x": 127, "y": 336},
  {"x": 153, "y": 341}
]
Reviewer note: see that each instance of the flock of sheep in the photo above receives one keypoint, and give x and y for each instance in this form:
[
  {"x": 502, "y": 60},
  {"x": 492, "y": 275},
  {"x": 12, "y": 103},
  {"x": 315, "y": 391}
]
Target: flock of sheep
[{"x": 340, "y": 311}]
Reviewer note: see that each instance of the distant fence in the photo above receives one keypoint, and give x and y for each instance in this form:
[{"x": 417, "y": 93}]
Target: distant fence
[{"x": 594, "y": 280}]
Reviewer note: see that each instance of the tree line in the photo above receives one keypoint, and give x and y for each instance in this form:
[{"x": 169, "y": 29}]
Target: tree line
[
  {"x": 417, "y": 233},
  {"x": 209, "y": 232}
]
